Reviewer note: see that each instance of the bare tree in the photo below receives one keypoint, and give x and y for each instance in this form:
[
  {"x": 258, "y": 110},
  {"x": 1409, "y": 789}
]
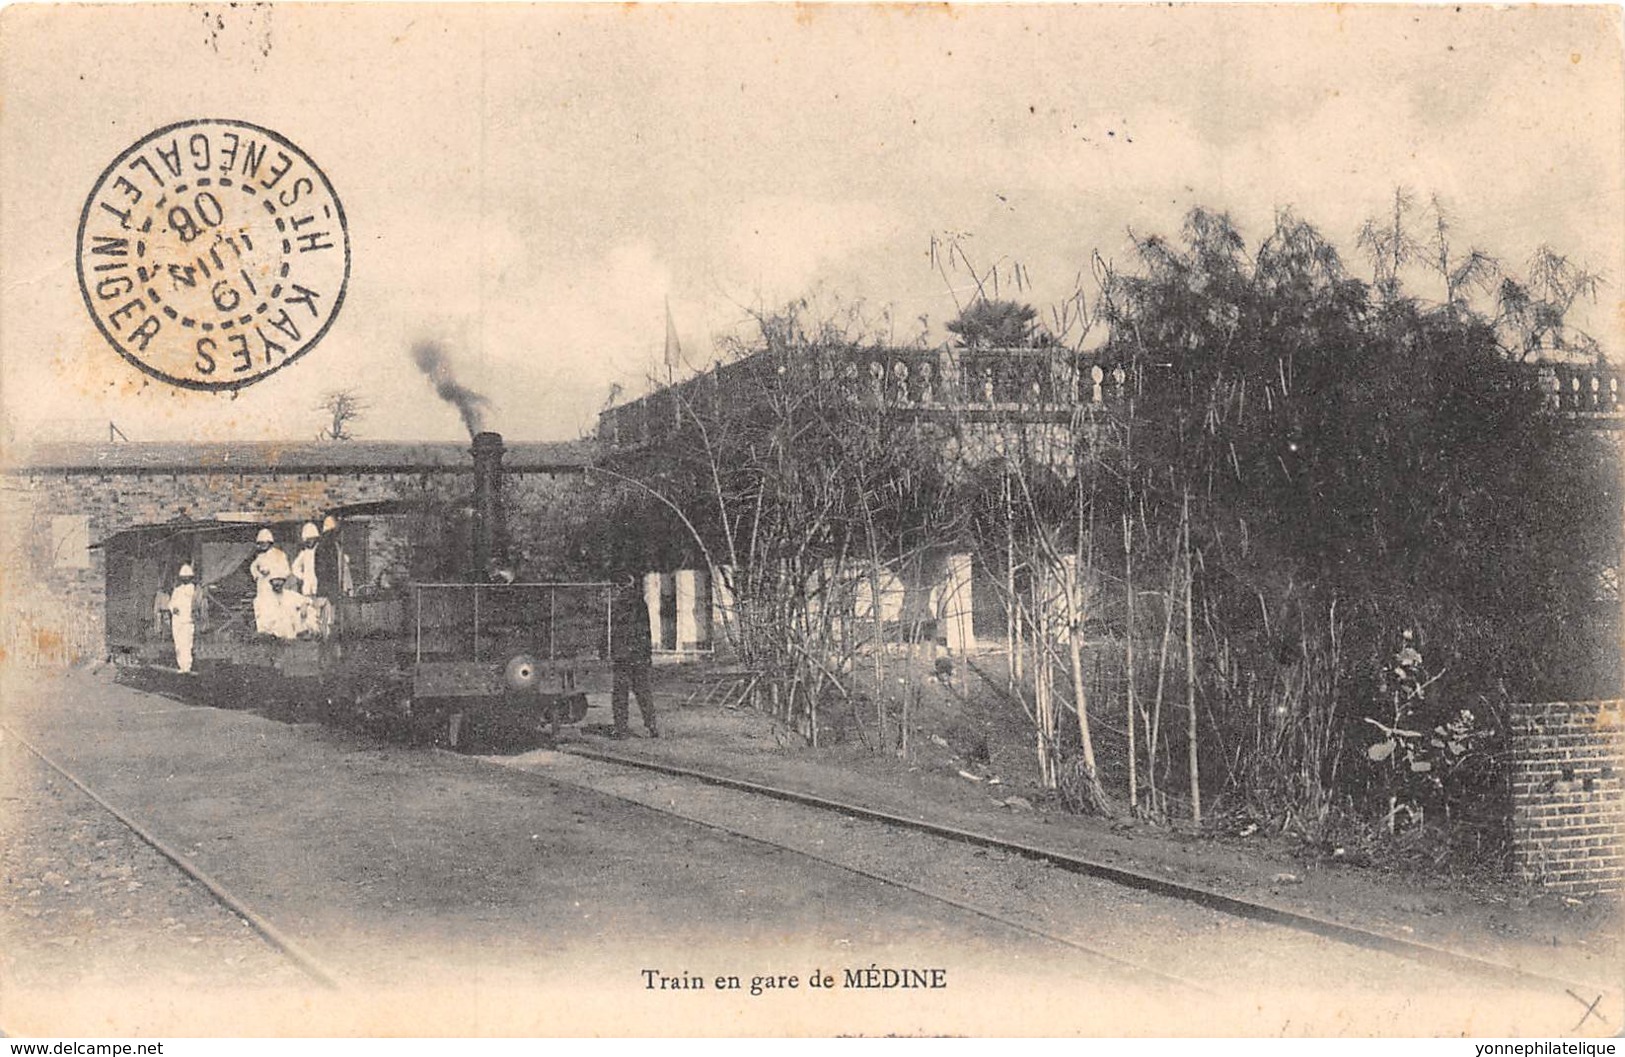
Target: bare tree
[
  {"x": 1462, "y": 276},
  {"x": 1533, "y": 314},
  {"x": 1390, "y": 245},
  {"x": 810, "y": 500},
  {"x": 343, "y": 408}
]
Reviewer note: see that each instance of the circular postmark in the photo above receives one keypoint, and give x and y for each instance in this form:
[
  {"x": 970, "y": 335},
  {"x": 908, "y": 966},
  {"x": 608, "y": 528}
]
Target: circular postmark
[{"x": 213, "y": 253}]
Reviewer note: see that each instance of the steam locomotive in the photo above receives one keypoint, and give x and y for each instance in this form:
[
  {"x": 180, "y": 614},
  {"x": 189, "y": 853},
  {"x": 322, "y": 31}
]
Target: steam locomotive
[{"x": 421, "y": 639}]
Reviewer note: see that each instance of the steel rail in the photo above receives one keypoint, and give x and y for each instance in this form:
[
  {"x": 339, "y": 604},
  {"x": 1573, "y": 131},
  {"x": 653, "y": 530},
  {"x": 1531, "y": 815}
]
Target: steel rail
[
  {"x": 1158, "y": 975},
  {"x": 222, "y": 895},
  {"x": 1352, "y": 935}
]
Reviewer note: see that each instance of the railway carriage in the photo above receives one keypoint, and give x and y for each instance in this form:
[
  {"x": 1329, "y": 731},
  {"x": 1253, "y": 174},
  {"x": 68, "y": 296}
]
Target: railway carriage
[{"x": 420, "y": 638}]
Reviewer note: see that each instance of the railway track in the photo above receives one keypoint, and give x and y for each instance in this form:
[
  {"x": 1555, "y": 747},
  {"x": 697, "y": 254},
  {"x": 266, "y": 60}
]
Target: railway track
[
  {"x": 1454, "y": 962},
  {"x": 1092, "y": 914},
  {"x": 315, "y": 970},
  {"x": 1138, "y": 970},
  {"x": 218, "y": 892}
]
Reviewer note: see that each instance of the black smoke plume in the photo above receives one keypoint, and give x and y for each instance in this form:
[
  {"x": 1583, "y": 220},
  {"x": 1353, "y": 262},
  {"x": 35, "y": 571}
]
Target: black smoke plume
[{"x": 431, "y": 360}]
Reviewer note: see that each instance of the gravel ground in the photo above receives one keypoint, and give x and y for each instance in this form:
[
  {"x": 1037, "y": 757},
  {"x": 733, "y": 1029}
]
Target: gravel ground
[
  {"x": 86, "y": 903},
  {"x": 520, "y": 906},
  {"x": 449, "y": 897},
  {"x": 1259, "y": 978},
  {"x": 1501, "y": 920}
]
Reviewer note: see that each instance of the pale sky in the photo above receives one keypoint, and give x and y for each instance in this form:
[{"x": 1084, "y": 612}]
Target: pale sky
[{"x": 528, "y": 186}]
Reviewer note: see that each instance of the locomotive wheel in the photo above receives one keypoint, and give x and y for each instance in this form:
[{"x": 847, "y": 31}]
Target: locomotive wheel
[
  {"x": 559, "y": 709},
  {"x": 521, "y": 672}
]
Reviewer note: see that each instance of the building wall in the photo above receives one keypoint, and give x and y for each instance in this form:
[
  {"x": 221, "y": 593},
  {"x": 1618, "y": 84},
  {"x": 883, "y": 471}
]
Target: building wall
[
  {"x": 52, "y": 581},
  {"x": 1568, "y": 807}
]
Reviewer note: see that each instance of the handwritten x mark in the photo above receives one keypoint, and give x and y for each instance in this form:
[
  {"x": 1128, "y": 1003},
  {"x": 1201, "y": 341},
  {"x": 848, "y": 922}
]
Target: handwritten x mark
[{"x": 1591, "y": 1009}]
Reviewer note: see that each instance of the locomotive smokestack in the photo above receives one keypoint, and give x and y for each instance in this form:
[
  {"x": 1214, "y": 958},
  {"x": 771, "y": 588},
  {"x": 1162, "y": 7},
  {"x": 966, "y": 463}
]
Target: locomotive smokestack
[{"x": 490, "y": 527}]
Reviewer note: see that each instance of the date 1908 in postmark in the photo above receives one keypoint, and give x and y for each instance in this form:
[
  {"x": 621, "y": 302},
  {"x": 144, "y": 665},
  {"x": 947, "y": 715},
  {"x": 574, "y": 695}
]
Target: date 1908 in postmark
[{"x": 213, "y": 253}]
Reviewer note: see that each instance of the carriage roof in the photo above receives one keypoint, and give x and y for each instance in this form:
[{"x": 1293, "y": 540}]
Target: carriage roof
[
  {"x": 139, "y": 534},
  {"x": 248, "y": 524}
]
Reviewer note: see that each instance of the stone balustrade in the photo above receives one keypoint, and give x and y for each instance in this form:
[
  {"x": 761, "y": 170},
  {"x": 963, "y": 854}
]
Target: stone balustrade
[
  {"x": 1041, "y": 383},
  {"x": 1582, "y": 391},
  {"x": 1025, "y": 384}
]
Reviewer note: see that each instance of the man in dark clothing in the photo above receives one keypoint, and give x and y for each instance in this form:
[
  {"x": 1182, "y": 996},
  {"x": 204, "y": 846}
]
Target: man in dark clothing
[{"x": 631, "y": 652}]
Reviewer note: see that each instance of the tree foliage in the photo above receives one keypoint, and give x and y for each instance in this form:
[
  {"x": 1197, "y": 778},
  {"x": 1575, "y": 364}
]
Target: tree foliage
[
  {"x": 994, "y": 324},
  {"x": 1310, "y": 465},
  {"x": 1362, "y": 462}
]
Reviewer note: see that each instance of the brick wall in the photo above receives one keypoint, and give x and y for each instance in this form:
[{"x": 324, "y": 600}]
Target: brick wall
[
  {"x": 51, "y": 587},
  {"x": 1568, "y": 808}
]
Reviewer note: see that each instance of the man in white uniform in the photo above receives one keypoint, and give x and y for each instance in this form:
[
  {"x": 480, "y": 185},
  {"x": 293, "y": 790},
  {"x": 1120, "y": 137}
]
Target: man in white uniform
[
  {"x": 285, "y": 610},
  {"x": 182, "y": 606},
  {"x": 304, "y": 563},
  {"x": 269, "y": 564},
  {"x": 316, "y": 618}
]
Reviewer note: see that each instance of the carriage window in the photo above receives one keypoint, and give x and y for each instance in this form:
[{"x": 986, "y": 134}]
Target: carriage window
[{"x": 70, "y": 542}]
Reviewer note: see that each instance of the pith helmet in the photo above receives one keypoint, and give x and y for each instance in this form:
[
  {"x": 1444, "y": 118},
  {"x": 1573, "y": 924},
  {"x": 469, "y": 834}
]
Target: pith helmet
[
  {"x": 265, "y": 536},
  {"x": 186, "y": 572},
  {"x": 308, "y": 532}
]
